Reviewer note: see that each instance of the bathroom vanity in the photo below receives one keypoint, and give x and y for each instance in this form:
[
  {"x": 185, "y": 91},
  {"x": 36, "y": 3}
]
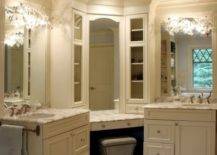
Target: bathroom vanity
[
  {"x": 62, "y": 131},
  {"x": 179, "y": 129}
]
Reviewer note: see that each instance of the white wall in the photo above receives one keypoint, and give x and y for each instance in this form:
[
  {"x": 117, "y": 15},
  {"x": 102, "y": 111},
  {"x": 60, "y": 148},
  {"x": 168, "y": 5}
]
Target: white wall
[{"x": 184, "y": 46}]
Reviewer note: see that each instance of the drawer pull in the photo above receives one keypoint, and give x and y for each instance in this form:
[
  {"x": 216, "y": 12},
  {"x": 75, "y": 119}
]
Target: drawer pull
[
  {"x": 158, "y": 154},
  {"x": 176, "y": 124},
  {"x": 158, "y": 131},
  {"x": 128, "y": 124},
  {"x": 103, "y": 125}
]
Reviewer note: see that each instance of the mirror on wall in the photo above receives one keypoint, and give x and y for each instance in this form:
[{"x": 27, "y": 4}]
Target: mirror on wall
[
  {"x": 104, "y": 64},
  {"x": 25, "y": 54},
  {"x": 186, "y": 56}
]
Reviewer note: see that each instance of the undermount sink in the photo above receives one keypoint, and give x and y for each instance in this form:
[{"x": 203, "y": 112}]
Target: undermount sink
[{"x": 39, "y": 115}]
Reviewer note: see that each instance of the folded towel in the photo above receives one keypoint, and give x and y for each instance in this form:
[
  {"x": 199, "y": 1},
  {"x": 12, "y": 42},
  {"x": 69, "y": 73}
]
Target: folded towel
[{"x": 11, "y": 140}]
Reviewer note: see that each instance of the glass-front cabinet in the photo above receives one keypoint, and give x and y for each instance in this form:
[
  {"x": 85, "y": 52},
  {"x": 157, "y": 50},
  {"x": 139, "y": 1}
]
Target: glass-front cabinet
[
  {"x": 77, "y": 58},
  {"x": 137, "y": 62}
]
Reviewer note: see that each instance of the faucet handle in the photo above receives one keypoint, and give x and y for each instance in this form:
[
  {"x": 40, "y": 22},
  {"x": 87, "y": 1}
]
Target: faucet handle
[
  {"x": 25, "y": 108},
  {"x": 12, "y": 110},
  {"x": 192, "y": 99},
  {"x": 208, "y": 98}
]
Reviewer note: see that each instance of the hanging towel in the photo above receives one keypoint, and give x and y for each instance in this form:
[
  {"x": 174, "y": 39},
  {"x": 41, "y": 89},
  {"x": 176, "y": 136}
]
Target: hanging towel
[
  {"x": 25, "y": 144},
  {"x": 11, "y": 140}
]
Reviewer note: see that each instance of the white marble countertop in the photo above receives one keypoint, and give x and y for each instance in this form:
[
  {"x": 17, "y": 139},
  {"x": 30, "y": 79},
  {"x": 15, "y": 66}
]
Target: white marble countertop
[
  {"x": 53, "y": 115},
  {"x": 178, "y": 105},
  {"x": 111, "y": 115}
]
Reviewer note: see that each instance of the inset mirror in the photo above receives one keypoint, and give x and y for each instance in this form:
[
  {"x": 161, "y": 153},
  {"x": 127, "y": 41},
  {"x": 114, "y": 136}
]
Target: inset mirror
[
  {"x": 186, "y": 56},
  {"x": 25, "y": 54},
  {"x": 104, "y": 64}
]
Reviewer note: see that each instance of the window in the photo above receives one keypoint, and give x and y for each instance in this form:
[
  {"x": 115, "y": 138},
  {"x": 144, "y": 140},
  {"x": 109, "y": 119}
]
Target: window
[{"x": 202, "y": 68}]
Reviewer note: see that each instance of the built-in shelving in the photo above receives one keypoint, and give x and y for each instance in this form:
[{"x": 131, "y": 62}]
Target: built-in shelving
[
  {"x": 77, "y": 57},
  {"x": 136, "y": 36}
]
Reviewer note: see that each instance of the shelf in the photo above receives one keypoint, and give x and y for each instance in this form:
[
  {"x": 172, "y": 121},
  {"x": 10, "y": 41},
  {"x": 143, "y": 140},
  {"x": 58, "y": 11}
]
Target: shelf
[
  {"x": 77, "y": 28},
  {"x": 136, "y": 30},
  {"x": 134, "y": 64},
  {"x": 137, "y": 81},
  {"x": 77, "y": 83}
]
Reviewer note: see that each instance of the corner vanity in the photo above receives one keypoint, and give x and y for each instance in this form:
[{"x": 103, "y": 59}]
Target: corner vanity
[
  {"x": 179, "y": 129},
  {"x": 55, "y": 131}
]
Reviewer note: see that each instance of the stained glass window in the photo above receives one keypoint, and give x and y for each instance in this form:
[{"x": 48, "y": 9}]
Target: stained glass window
[{"x": 202, "y": 68}]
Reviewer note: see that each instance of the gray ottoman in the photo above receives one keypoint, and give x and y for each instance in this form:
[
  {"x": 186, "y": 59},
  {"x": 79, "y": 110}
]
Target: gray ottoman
[{"x": 118, "y": 146}]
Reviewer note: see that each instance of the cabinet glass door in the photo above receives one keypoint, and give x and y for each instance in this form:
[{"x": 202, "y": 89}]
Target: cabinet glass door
[
  {"x": 137, "y": 72},
  {"x": 77, "y": 58},
  {"x": 136, "y": 27},
  {"x": 78, "y": 26},
  {"x": 77, "y": 72}
]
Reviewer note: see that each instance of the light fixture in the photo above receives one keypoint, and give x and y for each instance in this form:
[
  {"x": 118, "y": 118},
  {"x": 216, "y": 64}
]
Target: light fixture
[
  {"x": 189, "y": 26},
  {"x": 15, "y": 38},
  {"x": 22, "y": 15}
]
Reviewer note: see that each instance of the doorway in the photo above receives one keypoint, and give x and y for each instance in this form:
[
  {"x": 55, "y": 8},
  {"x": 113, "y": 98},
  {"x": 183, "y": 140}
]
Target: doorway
[{"x": 104, "y": 64}]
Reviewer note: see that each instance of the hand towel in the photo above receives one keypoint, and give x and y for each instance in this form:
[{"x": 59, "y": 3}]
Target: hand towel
[{"x": 11, "y": 140}]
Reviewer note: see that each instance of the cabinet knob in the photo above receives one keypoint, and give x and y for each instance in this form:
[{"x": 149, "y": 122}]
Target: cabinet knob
[
  {"x": 176, "y": 124},
  {"x": 128, "y": 124},
  {"x": 158, "y": 131},
  {"x": 103, "y": 125},
  {"x": 158, "y": 154}
]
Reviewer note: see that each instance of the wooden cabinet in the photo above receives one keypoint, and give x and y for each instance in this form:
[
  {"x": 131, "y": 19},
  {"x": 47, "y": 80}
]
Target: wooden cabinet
[
  {"x": 136, "y": 45},
  {"x": 68, "y": 136},
  {"x": 75, "y": 142},
  {"x": 177, "y": 134},
  {"x": 195, "y": 138},
  {"x": 61, "y": 144}
]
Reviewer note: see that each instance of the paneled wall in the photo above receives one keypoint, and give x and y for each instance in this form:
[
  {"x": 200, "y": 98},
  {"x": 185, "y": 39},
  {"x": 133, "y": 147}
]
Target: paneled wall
[{"x": 61, "y": 41}]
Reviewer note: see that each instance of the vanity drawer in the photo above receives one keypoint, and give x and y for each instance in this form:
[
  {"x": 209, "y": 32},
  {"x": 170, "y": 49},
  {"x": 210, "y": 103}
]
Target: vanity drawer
[
  {"x": 134, "y": 109},
  {"x": 68, "y": 124},
  {"x": 158, "y": 149},
  {"x": 98, "y": 126},
  {"x": 159, "y": 131},
  {"x": 180, "y": 114},
  {"x": 81, "y": 138}
]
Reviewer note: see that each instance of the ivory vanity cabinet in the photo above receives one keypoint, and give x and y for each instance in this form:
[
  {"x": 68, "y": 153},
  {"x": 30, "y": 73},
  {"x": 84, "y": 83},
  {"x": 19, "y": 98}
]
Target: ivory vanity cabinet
[
  {"x": 66, "y": 136},
  {"x": 179, "y": 131},
  {"x": 69, "y": 137}
]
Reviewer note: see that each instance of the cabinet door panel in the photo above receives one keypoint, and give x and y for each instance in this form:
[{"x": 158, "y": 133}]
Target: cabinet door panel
[
  {"x": 81, "y": 140},
  {"x": 195, "y": 138},
  {"x": 158, "y": 149},
  {"x": 58, "y": 145}
]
